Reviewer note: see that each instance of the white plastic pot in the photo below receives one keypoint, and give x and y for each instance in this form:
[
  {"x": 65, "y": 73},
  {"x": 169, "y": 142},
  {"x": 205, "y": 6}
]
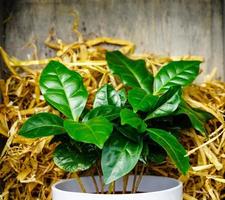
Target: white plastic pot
[{"x": 150, "y": 188}]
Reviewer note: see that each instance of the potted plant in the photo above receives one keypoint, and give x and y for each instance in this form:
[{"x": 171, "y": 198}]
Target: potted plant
[{"x": 124, "y": 130}]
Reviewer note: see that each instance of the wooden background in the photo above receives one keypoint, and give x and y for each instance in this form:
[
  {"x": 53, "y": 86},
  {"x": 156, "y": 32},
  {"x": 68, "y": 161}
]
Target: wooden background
[{"x": 165, "y": 27}]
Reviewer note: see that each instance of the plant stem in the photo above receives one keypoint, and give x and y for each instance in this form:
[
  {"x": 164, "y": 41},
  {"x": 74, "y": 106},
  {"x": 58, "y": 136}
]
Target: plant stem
[
  {"x": 100, "y": 179},
  {"x": 95, "y": 184},
  {"x": 125, "y": 181},
  {"x": 135, "y": 177},
  {"x": 111, "y": 186},
  {"x": 114, "y": 187},
  {"x": 139, "y": 178},
  {"x": 79, "y": 181}
]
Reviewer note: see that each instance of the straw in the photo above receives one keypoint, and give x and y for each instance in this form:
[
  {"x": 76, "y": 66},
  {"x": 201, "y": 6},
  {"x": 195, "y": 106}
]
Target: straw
[{"x": 27, "y": 170}]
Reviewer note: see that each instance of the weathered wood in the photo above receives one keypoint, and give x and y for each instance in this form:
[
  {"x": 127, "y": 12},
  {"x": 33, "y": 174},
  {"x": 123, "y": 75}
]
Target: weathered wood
[
  {"x": 1, "y": 35},
  {"x": 166, "y": 27},
  {"x": 1, "y": 22},
  {"x": 223, "y": 25}
]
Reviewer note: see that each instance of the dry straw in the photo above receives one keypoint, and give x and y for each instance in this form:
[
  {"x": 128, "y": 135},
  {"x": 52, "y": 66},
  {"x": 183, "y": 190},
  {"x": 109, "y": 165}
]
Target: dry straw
[{"x": 27, "y": 170}]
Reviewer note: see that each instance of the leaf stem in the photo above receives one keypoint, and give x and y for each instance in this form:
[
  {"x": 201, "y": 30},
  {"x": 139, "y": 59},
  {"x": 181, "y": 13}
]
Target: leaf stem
[
  {"x": 139, "y": 178},
  {"x": 111, "y": 188},
  {"x": 79, "y": 181},
  {"x": 95, "y": 183},
  {"x": 125, "y": 181},
  {"x": 135, "y": 177},
  {"x": 100, "y": 179}
]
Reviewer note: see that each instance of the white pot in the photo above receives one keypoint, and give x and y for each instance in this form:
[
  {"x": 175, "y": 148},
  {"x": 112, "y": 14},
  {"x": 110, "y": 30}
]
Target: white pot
[{"x": 151, "y": 188}]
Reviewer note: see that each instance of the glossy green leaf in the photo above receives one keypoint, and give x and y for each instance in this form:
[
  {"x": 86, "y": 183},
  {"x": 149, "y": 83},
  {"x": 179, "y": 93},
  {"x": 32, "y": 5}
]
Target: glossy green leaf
[
  {"x": 42, "y": 125},
  {"x": 166, "y": 104},
  {"x": 119, "y": 157},
  {"x": 198, "y": 120},
  {"x": 129, "y": 117},
  {"x": 140, "y": 100},
  {"x": 132, "y": 72},
  {"x": 144, "y": 154},
  {"x": 107, "y": 95},
  {"x": 176, "y": 73},
  {"x": 129, "y": 132},
  {"x": 63, "y": 89},
  {"x": 173, "y": 148},
  {"x": 203, "y": 115},
  {"x": 72, "y": 157},
  {"x": 109, "y": 112},
  {"x": 123, "y": 96},
  {"x": 95, "y": 131}
]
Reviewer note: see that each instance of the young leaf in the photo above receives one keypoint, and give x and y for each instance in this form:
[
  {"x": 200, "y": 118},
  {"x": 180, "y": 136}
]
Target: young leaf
[
  {"x": 132, "y": 72},
  {"x": 176, "y": 73},
  {"x": 173, "y": 148},
  {"x": 109, "y": 112},
  {"x": 119, "y": 157},
  {"x": 129, "y": 117},
  {"x": 166, "y": 104},
  {"x": 63, "y": 89},
  {"x": 95, "y": 131},
  {"x": 141, "y": 100},
  {"x": 107, "y": 95},
  {"x": 42, "y": 125},
  {"x": 72, "y": 158}
]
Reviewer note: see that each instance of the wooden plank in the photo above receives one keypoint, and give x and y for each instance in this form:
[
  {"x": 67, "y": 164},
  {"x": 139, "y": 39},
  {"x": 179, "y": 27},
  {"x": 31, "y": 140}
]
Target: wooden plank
[
  {"x": 1, "y": 34},
  {"x": 163, "y": 27},
  {"x": 1, "y": 22},
  {"x": 223, "y": 25}
]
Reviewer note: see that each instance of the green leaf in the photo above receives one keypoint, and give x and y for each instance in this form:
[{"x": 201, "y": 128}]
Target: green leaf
[
  {"x": 129, "y": 117},
  {"x": 63, "y": 89},
  {"x": 42, "y": 125},
  {"x": 197, "y": 119},
  {"x": 132, "y": 72},
  {"x": 107, "y": 95},
  {"x": 123, "y": 96},
  {"x": 129, "y": 132},
  {"x": 72, "y": 157},
  {"x": 156, "y": 157},
  {"x": 173, "y": 148},
  {"x": 119, "y": 157},
  {"x": 176, "y": 73},
  {"x": 157, "y": 154},
  {"x": 141, "y": 100},
  {"x": 109, "y": 112},
  {"x": 166, "y": 104},
  {"x": 144, "y": 154},
  {"x": 95, "y": 131},
  {"x": 203, "y": 115}
]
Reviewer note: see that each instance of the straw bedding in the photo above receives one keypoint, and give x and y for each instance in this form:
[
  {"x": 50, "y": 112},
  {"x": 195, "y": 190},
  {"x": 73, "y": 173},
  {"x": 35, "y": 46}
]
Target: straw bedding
[{"x": 27, "y": 170}]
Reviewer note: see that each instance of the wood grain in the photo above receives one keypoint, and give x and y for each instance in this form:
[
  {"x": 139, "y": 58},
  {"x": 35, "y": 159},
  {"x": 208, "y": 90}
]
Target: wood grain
[
  {"x": 1, "y": 38},
  {"x": 166, "y": 27}
]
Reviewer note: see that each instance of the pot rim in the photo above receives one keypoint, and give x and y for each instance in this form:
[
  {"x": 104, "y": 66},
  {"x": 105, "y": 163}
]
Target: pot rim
[{"x": 179, "y": 185}]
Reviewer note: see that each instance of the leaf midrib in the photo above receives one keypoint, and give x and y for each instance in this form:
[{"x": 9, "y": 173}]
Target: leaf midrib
[
  {"x": 160, "y": 106},
  {"x": 174, "y": 152},
  {"x": 142, "y": 100},
  {"x": 156, "y": 92},
  {"x": 121, "y": 154},
  {"x": 131, "y": 71},
  {"x": 44, "y": 126},
  {"x": 92, "y": 132},
  {"x": 67, "y": 97}
]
